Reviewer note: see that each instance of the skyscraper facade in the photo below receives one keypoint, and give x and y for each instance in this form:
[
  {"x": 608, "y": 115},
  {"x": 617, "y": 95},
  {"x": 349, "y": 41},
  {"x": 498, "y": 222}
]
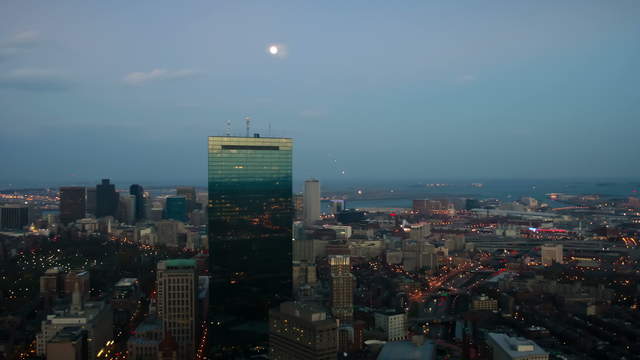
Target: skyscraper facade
[
  {"x": 137, "y": 191},
  {"x": 302, "y": 331},
  {"x": 14, "y": 217},
  {"x": 342, "y": 282},
  {"x": 106, "y": 199},
  {"x": 250, "y": 231},
  {"x": 91, "y": 200},
  {"x": 311, "y": 201},
  {"x": 177, "y": 282},
  {"x": 189, "y": 193},
  {"x": 72, "y": 203},
  {"x": 176, "y": 208}
]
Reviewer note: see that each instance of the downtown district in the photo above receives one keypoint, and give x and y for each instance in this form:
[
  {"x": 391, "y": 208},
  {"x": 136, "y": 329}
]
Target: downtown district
[{"x": 251, "y": 270}]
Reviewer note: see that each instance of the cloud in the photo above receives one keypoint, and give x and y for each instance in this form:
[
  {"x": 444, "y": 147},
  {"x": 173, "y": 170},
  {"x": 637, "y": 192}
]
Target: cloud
[
  {"x": 35, "y": 80},
  {"x": 19, "y": 43},
  {"x": 139, "y": 78}
]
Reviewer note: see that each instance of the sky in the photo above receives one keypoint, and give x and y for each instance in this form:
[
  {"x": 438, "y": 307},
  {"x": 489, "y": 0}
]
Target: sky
[{"x": 374, "y": 90}]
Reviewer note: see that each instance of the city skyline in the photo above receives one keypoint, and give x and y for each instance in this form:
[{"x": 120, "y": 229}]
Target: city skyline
[
  {"x": 502, "y": 89},
  {"x": 319, "y": 180}
]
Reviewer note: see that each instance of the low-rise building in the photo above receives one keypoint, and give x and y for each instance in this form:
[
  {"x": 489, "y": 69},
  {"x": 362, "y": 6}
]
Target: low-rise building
[{"x": 505, "y": 347}]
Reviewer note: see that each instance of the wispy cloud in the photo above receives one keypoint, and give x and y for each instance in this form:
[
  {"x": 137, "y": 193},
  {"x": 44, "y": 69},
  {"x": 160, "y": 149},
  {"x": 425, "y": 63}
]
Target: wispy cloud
[
  {"x": 139, "y": 78},
  {"x": 19, "y": 43},
  {"x": 35, "y": 80}
]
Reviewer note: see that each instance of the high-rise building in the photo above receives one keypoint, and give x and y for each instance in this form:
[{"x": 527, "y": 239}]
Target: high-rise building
[
  {"x": 311, "y": 201},
  {"x": 14, "y": 217},
  {"x": 72, "y": 204},
  {"x": 342, "y": 282},
  {"x": 298, "y": 206},
  {"x": 106, "y": 199},
  {"x": 189, "y": 193},
  {"x": 551, "y": 253},
  {"x": 337, "y": 206},
  {"x": 137, "y": 191},
  {"x": 176, "y": 208},
  {"x": 300, "y": 331},
  {"x": 91, "y": 200},
  {"x": 177, "y": 282},
  {"x": 250, "y": 232},
  {"x": 127, "y": 209}
]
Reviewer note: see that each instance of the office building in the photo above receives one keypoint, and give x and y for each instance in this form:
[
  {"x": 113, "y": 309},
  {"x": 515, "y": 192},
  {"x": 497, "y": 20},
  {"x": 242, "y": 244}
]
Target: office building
[
  {"x": 301, "y": 331},
  {"x": 342, "y": 283},
  {"x": 145, "y": 343},
  {"x": 250, "y": 231},
  {"x": 420, "y": 231},
  {"x": 298, "y": 206},
  {"x": 551, "y": 253},
  {"x": 304, "y": 273},
  {"x": 138, "y": 192},
  {"x": 168, "y": 231},
  {"x": 393, "y": 324},
  {"x": 505, "y": 347},
  {"x": 91, "y": 201},
  {"x": 337, "y": 206},
  {"x": 106, "y": 199},
  {"x": 127, "y": 209},
  {"x": 484, "y": 303},
  {"x": 94, "y": 317},
  {"x": 72, "y": 204},
  {"x": 176, "y": 208},
  {"x": 189, "y": 193},
  {"x": 418, "y": 348},
  {"x": 70, "y": 343},
  {"x": 311, "y": 201},
  {"x": 124, "y": 301},
  {"x": 177, "y": 283},
  {"x": 80, "y": 278},
  {"x": 52, "y": 284},
  {"x": 14, "y": 217}
]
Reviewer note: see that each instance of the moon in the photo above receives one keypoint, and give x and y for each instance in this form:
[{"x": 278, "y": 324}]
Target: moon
[{"x": 273, "y": 50}]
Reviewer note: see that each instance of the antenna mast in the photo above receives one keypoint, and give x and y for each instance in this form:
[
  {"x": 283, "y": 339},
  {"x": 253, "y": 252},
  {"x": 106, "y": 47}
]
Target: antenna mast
[
  {"x": 248, "y": 121},
  {"x": 228, "y": 127}
]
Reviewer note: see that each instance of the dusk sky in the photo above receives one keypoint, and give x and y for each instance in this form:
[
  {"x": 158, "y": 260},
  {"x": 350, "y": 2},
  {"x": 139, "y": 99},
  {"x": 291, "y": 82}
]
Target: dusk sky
[{"x": 377, "y": 89}]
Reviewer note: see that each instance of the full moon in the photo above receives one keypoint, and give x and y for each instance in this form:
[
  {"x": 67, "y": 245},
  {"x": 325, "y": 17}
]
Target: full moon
[{"x": 273, "y": 50}]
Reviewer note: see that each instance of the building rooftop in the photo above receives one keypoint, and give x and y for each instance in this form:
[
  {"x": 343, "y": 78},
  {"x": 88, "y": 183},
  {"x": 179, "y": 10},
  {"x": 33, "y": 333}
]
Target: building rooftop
[
  {"x": 304, "y": 310},
  {"x": 126, "y": 282},
  {"x": 515, "y": 346},
  {"x": 179, "y": 263},
  {"x": 407, "y": 350},
  {"x": 67, "y": 334}
]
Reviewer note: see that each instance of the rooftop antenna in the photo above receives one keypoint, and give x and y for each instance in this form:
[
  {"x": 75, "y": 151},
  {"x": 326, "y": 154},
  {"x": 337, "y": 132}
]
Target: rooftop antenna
[
  {"x": 228, "y": 127},
  {"x": 248, "y": 121}
]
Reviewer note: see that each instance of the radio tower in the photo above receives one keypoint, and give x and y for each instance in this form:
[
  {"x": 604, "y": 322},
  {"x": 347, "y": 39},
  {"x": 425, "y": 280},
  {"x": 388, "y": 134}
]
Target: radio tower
[
  {"x": 228, "y": 127},
  {"x": 248, "y": 121}
]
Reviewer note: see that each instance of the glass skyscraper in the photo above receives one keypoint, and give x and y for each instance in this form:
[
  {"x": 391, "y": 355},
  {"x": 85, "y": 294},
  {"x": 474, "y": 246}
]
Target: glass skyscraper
[
  {"x": 176, "y": 208},
  {"x": 250, "y": 222}
]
